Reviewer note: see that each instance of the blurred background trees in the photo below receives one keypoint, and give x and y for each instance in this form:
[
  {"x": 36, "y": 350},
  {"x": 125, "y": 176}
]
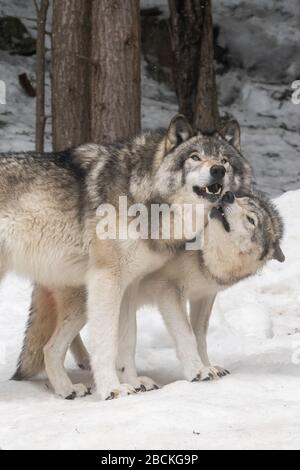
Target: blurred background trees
[
  {"x": 93, "y": 70},
  {"x": 96, "y": 68}
]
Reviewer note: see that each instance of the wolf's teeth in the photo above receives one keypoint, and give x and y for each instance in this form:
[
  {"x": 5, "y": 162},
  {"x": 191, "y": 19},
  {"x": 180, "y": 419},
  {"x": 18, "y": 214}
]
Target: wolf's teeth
[{"x": 212, "y": 192}]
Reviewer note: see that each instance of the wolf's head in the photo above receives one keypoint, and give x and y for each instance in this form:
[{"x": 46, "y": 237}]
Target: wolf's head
[
  {"x": 191, "y": 167},
  {"x": 243, "y": 233}
]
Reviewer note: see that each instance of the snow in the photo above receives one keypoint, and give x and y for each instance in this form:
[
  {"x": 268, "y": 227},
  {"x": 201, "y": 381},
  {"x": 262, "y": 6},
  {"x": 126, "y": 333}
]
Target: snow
[
  {"x": 256, "y": 407},
  {"x": 255, "y": 330}
]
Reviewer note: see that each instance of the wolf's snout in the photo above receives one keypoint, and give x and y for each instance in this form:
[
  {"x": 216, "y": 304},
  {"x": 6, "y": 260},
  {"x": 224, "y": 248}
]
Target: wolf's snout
[
  {"x": 218, "y": 172},
  {"x": 228, "y": 197}
]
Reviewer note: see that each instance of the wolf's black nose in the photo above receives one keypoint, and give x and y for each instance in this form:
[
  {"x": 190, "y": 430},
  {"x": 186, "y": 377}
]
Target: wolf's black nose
[
  {"x": 228, "y": 197},
  {"x": 217, "y": 172}
]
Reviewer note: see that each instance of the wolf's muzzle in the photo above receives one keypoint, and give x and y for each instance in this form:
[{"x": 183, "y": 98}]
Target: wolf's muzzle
[{"x": 228, "y": 198}]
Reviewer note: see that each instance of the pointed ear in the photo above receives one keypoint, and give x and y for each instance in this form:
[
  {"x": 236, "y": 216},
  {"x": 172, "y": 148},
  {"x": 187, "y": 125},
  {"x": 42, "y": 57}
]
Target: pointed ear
[
  {"x": 278, "y": 254},
  {"x": 231, "y": 131},
  {"x": 179, "y": 131}
]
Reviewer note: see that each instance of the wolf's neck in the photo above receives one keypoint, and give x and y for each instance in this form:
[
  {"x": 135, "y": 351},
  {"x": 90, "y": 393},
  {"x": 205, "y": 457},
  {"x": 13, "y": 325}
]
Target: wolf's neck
[{"x": 143, "y": 151}]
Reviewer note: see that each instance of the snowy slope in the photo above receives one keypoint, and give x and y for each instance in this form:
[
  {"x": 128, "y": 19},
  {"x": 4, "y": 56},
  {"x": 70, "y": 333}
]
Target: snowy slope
[
  {"x": 255, "y": 333},
  {"x": 262, "y": 40},
  {"x": 270, "y": 121}
]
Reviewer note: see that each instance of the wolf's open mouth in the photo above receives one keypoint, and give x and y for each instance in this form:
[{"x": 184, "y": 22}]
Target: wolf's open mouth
[
  {"x": 218, "y": 213},
  {"x": 212, "y": 190}
]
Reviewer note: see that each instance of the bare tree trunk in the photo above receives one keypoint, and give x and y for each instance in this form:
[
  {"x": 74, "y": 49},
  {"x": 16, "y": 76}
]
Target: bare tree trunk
[
  {"x": 42, "y": 11},
  {"x": 115, "y": 72},
  {"x": 71, "y": 37},
  {"x": 191, "y": 32},
  {"x": 206, "y": 113}
]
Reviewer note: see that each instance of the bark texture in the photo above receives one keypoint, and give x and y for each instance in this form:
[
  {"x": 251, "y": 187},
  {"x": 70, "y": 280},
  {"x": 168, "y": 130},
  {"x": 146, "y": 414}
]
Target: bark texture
[
  {"x": 115, "y": 70},
  {"x": 42, "y": 10},
  {"x": 71, "y": 38},
  {"x": 191, "y": 30}
]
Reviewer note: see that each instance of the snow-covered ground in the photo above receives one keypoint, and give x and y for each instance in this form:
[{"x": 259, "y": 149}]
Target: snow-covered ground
[{"x": 255, "y": 331}]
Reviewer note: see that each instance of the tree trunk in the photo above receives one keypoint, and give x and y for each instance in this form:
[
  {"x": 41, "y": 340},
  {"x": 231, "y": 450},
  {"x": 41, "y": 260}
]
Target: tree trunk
[
  {"x": 206, "y": 113},
  {"x": 71, "y": 37},
  {"x": 115, "y": 70},
  {"x": 191, "y": 32},
  {"x": 42, "y": 11}
]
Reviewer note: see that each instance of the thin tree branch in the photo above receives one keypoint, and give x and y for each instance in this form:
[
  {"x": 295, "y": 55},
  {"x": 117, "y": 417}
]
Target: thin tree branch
[
  {"x": 40, "y": 74},
  {"x": 36, "y": 6}
]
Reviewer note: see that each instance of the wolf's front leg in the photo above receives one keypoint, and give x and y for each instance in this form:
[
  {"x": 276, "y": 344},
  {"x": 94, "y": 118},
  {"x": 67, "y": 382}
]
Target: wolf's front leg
[
  {"x": 105, "y": 294},
  {"x": 172, "y": 305},
  {"x": 126, "y": 365},
  {"x": 200, "y": 312},
  {"x": 70, "y": 319}
]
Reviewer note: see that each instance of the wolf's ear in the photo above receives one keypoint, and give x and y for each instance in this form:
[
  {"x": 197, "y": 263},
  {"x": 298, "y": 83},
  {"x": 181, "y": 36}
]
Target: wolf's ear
[
  {"x": 179, "y": 131},
  {"x": 232, "y": 133},
  {"x": 278, "y": 254}
]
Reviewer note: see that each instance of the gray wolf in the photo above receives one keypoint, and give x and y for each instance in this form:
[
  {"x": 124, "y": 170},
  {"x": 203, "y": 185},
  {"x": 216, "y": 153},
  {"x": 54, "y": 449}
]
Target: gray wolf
[{"x": 48, "y": 227}]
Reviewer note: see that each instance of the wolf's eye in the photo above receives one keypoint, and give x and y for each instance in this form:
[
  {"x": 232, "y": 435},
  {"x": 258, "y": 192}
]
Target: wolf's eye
[
  {"x": 252, "y": 221},
  {"x": 195, "y": 157}
]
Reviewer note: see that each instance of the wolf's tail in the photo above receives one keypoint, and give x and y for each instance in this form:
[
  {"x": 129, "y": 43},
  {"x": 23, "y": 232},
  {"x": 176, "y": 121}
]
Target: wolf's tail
[{"x": 40, "y": 327}]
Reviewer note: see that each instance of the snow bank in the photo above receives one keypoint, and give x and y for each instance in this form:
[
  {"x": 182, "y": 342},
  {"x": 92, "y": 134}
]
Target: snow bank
[{"x": 255, "y": 333}]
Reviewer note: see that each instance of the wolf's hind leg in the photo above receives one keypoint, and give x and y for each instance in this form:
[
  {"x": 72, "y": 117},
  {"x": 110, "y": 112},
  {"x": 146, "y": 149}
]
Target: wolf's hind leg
[
  {"x": 80, "y": 353},
  {"x": 71, "y": 318},
  {"x": 40, "y": 327}
]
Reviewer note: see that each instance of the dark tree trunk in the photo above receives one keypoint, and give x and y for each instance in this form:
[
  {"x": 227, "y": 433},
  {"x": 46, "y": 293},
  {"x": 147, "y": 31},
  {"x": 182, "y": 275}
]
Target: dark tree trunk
[
  {"x": 71, "y": 38},
  {"x": 42, "y": 10},
  {"x": 95, "y": 71},
  {"x": 206, "y": 113},
  {"x": 191, "y": 32},
  {"x": 115, "y": 70}
]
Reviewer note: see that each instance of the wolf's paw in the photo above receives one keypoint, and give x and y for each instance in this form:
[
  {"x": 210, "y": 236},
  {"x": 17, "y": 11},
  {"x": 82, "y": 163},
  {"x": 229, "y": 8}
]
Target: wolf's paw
[
  {"x": 221, "y": 371},
  {"x": 145, "y": 384},
  {"x": 210, "y": 373},
  {"x": 77, "y": 391},
  {"x": 122, "y": 391}
]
